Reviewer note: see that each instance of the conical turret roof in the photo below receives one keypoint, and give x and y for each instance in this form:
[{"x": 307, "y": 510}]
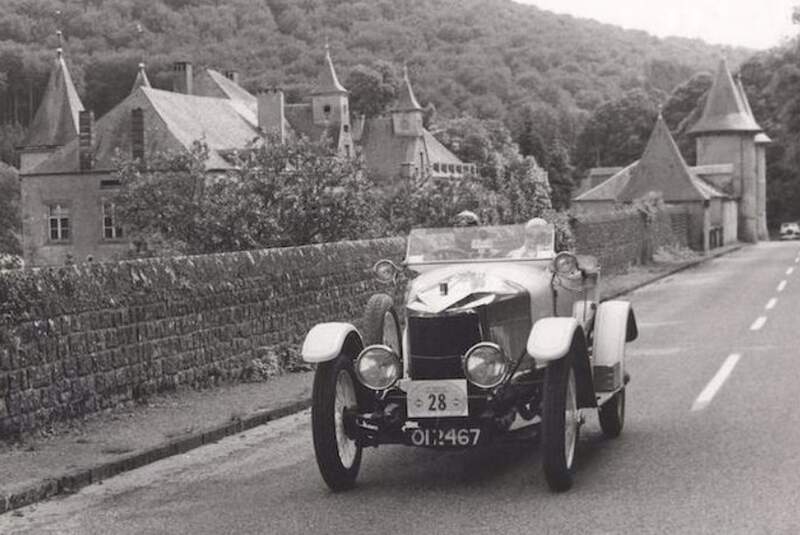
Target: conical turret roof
[
  {"x": 56, "y": 120},
  {"x": 327, "y": 82},
  {"x": 141, "y": 78},
  {"x": 662, "y": 169},
  {"x": 406, "y": 101},
  {"x": 724, "y": 110}
]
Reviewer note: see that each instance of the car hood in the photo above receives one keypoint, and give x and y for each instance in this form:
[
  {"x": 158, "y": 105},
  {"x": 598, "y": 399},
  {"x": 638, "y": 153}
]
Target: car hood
[{"x": 465, "y": 286}]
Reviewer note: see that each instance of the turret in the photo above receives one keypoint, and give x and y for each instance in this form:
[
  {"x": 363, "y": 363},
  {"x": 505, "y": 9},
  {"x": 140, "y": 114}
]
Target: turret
[
  {"x": 329, "y": 101},
  {"x": 56, "y": 121},
  {"x": 726, "y": 134},
  {"x": 407, "y": 113}
]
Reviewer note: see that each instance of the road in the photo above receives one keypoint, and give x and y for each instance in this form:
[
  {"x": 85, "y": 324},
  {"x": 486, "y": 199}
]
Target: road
[{"x": 710, "y": 444}]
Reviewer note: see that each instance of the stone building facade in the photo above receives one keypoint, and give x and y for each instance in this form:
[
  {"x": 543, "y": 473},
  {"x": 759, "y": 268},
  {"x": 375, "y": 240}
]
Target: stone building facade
[{"x": 68, "y": 160}]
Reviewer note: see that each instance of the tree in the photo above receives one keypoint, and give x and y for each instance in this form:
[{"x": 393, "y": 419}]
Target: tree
[
  {"x": 371, "y": 90},
  {"x": 279, "y": 195},
  {"x": 10, "y": 223},
  {"x": 617, "y": 131}
]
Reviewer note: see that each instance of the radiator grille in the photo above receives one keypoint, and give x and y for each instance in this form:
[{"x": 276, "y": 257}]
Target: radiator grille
[{"x": 437, "y": 344}]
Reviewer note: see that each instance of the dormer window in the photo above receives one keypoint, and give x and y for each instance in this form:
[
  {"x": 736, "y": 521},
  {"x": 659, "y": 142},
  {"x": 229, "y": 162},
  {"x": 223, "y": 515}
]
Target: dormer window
[{"x": 346, "y": 128}]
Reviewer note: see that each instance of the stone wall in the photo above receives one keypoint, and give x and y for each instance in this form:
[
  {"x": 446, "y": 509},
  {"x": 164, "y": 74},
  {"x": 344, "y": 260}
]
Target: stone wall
[
  {"x": 78, "y": 339},
  {"x": 623, "y": 237}
]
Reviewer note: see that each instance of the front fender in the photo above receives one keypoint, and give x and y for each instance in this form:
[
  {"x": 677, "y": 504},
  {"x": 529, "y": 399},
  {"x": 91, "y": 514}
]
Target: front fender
[
  {"x": 326, "y": 341},
  {"x": 551, "y": 338},
  {"x": 614, "y": 325}
]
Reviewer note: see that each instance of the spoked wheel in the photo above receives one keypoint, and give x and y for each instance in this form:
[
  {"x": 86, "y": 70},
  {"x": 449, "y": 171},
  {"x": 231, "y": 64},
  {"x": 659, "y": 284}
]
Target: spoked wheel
[
  {"x": 560, "y": 424},
  {"x": 338, "y": 455},
  {"x": 380, "y": 324},
  {"x": 612, "y": 415}
]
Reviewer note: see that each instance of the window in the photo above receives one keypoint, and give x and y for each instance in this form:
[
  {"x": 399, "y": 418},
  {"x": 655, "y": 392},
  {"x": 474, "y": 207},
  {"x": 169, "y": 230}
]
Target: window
[
  {"x": 58, "y": 223},
  {"x": 347, "y": 150},
  {"x": 346, "y": 128},
  {"x": 436, "y": 167},
  {"x": 326, "y": 109},
  {"x": 111, "y": 228}
]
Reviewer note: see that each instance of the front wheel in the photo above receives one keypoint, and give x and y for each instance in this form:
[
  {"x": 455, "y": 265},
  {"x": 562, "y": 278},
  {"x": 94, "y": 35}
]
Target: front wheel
[
  {"x": 338, "y": 455},
  {"x": 612, "y": 415},
  {"x": 560, "y": 424}
]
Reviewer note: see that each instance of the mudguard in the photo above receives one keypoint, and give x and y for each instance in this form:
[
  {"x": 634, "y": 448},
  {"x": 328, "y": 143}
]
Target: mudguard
[
  {"x": 614, "y": 325},
  {"x": 551, "y": 339},
  {"x": 326, "y": 341}
]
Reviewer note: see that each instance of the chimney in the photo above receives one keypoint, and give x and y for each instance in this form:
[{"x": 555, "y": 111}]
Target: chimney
[
  {"x": 86, "y": 140},
  {"x": 233, "y": 76},
  {"x": 182, "y": 77},
  {"x": 270, "y": 112},
  {"x": 137, "y": 134}
]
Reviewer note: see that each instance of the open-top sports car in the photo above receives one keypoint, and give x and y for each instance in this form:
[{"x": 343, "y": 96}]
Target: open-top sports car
[{"x": 501, "y": 337}]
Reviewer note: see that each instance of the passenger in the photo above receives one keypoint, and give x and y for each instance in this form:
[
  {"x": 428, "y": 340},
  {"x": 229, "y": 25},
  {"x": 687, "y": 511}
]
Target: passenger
[{"x": 538, "y": 241}]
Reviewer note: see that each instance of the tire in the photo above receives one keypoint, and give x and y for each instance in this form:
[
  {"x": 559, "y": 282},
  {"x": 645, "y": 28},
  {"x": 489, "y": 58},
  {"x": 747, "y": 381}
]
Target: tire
[
  {"x": 612, "y": 415},
  {"x": 338, "y": 457},
  {"x": 560, "y": 424},
  {"x": 380, "y": 324}
]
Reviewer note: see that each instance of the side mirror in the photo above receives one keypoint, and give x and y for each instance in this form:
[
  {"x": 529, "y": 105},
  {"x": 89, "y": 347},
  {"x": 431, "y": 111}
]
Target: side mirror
[{"x": 386, "y": 271}]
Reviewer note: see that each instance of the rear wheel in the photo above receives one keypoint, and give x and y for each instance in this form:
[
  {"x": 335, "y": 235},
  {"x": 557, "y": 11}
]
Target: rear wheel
[
  {"x": 612, "y": 415},
  {"x": 560, "y": 424},
  {"x": 338, "y": 455},
  {"x": 380, "y": 324}
]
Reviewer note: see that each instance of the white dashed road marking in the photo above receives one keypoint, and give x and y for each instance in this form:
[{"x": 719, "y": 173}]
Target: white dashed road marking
[
  {"x": 790, "y": 271},
  {"x": 781, "y": 286},
  {"x": 771, "y": 303},
  {"x": 716, "y": 382},
  {"x": 760, "y": 321}
]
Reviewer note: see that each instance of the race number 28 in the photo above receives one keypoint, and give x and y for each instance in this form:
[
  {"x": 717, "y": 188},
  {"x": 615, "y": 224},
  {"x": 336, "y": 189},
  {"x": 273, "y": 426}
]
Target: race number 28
[{"x": 437, "y": 403}]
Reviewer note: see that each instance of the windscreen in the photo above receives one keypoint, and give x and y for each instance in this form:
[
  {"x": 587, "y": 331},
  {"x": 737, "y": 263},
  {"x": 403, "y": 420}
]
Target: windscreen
[{"x": 524, "y": 242}]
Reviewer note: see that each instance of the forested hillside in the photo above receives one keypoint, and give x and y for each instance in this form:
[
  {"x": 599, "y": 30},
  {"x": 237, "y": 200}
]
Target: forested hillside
[{"x": 486, "y": 58}]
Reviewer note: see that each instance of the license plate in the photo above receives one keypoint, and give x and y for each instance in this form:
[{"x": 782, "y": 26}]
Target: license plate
[
  {"x": 453, "y": 437},
  {"x": 437, "y": 399}
]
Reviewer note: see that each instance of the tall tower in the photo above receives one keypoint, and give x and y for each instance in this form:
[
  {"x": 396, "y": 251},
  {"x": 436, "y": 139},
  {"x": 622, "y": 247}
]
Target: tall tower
[
  {"x": 329, "y": 102},
  {"x": 56, "y": 121},
  {"x": 407, "y": 113},
  {"x": 726, "y": 134}
]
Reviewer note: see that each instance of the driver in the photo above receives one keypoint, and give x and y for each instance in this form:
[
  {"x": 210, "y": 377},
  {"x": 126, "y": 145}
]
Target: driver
[
  {"x": 537, "y": 244},
  {"x": 465, "y": 221}
]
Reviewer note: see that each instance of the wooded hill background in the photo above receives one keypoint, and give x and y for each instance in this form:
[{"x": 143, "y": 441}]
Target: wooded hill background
[{"x": 572, "y": 92}]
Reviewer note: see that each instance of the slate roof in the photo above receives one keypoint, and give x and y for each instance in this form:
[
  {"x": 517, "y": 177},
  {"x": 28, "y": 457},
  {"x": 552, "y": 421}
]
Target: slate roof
[
  {"x": 724, "y": 110},
  {"x": 380, "y": 144},
  {"x": 328, "y": 82},
  {"x": 609, "y": 189},
  {"x": 438, "y": 153},
  {"x": 173, "y": 121},
  {"x": 661, "y": 169},
  {"x": 406, "y": 101},
  {"x": 56, "y": 120}
]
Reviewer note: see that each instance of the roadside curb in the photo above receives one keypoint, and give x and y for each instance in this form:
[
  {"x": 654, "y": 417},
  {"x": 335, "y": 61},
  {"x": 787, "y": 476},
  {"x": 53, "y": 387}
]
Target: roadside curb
[
  {"x": 677, "y": 269},
  {"x": 71, "y": 481}
]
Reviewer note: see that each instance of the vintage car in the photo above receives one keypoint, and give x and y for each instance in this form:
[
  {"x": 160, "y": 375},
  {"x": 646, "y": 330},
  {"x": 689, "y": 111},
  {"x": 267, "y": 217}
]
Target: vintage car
[
  {"x": 501, "y": 337},
  {"x": 790, "y": 231}
]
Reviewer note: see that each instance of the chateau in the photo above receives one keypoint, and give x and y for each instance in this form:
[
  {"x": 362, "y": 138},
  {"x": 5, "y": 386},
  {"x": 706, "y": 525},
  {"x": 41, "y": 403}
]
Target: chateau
[
  {"x": 724, "y": 194},
  {"x": 67, "y": 162}
]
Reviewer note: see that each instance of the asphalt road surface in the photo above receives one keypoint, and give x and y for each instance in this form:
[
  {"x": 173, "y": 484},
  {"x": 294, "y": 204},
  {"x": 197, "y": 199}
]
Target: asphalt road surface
[{"x": 711, "y": 444}]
